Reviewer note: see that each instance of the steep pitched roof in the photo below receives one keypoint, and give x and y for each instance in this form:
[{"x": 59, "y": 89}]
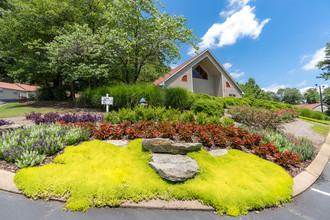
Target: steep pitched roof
[
  {"x": 18, "y": 86},
  {"x": 178, "y": 68}
]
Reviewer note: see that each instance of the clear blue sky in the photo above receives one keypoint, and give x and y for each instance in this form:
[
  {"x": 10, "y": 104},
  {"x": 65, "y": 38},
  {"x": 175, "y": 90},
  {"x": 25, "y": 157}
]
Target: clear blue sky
[{"x": 276, "y": 42}]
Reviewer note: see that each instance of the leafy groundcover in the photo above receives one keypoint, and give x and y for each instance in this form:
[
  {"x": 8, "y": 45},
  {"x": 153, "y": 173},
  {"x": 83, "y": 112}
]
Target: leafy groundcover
[{"x": 96, "y": 174}]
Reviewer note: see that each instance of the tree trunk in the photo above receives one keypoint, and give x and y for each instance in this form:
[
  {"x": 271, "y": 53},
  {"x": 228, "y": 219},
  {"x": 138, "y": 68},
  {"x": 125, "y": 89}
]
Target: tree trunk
[{"x": 72, "y": 93}]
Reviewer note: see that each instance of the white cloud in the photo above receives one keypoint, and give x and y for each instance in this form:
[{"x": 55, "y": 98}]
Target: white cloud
[
  {"x": 275, "y": 87},
  {"x": 304, "y": 90},
  {"x": 227, "y": 65},
  {"x": 302, "y": 83},
  {"x": 240, "y": 23},
  {"x": 292, "y": 71},
  {"x": 237, "y": 75},
  {"x": 316, "y": 57},
  {"x": 233, "y": 6}
]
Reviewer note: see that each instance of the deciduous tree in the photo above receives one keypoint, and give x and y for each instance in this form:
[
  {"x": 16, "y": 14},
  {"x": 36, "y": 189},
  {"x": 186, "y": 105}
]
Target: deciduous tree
[
  {"x": 325, "y": 64},
  {"x": 312, "y": 96}
]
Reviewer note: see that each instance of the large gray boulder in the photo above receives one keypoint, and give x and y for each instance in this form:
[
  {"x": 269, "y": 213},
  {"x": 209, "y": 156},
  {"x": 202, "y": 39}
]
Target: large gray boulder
[
  {"x": 175, "y": 168},
  {"x": 165, "y": 145}
]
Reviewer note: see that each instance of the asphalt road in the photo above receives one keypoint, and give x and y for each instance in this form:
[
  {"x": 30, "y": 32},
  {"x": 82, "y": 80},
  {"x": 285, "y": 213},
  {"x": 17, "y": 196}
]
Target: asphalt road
[{"x": 313, "y": 204}]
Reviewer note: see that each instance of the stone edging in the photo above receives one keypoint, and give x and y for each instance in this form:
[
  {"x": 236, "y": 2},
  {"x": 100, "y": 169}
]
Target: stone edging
[{"x": 301, "y": 183}]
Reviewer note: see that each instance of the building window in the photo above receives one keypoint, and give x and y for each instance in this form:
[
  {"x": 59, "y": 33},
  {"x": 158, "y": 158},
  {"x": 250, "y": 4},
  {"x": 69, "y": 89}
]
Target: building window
[
  {"x": 233, "y": 95},
  {"x": 15, "y": 92},
  {"x": 1, "y": 90},
  {"x": 199, "y": 73},
  {"x": 227, "y": 85},
  {"x": 184, "y": 78}
]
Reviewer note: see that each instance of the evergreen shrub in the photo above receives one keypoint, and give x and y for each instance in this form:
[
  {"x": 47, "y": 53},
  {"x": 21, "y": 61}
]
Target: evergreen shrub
[{"x": 208, "y": 106}]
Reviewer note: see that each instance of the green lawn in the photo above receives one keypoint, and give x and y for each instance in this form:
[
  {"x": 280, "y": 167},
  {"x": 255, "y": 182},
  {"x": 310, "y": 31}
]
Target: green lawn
[
  {"x": 321, "y": 129},
  {"x": 97, "y": 174},
  {"x": 18, "y": 109},
  {"x": 315, "y": 120}
]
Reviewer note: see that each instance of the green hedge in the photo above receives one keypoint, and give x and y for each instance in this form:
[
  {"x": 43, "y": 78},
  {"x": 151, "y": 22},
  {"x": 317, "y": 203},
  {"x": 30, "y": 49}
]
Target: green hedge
[
  {"x": 309, "y": 113},
  {"x": 128, "y": 96},
  {"x": 124, "y": 96}
]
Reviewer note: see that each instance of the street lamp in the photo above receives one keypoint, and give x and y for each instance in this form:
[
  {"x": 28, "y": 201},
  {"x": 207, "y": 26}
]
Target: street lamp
[{"x": 320, "y": 96}]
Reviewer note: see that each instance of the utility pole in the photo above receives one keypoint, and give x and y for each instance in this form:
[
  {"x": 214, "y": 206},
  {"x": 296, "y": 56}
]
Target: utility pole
[{"x": 320, "y": 96}]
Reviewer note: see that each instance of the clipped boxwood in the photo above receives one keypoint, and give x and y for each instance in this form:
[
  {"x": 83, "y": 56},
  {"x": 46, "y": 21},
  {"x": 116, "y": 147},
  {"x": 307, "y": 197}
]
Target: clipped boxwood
[{"x": 208, "y": 106}]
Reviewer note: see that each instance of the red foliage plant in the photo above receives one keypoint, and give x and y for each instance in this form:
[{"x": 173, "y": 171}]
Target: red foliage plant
[{"x": 210, "y": 135}]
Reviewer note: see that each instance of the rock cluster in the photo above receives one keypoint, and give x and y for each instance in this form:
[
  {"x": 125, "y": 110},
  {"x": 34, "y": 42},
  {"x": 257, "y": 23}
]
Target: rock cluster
[
  {"x": 165, "y": 145},
  {"x": 169, "y": 159}
]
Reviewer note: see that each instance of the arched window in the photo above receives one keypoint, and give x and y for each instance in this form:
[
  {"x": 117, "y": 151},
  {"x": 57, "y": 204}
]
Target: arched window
[
  {"x": 227, "y": 84},
  {"x": 184, "y": 78},
  {"x": 199, "y": 73}
]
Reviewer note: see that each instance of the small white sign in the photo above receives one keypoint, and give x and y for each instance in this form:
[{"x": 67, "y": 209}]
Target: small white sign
[{"x": 107, "y": 100}]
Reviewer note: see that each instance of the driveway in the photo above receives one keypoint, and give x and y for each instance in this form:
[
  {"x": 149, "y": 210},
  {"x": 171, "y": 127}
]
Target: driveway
[{"x": 313, "y": 204}]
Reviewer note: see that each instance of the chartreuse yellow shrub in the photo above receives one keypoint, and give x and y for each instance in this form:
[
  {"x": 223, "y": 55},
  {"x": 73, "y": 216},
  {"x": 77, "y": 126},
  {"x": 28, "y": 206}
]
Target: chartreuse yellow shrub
[{"x": 96, "y": 174}]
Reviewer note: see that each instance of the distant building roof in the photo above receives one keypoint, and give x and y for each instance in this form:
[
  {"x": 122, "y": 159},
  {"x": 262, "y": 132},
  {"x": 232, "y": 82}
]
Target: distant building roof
[
  {"x": 310, "y": 106},
  {"x": 18, "y": 86}
]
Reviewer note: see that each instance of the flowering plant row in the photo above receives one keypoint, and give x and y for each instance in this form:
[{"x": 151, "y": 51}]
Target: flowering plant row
[
  {"x": 4, "y": 122},
  {"x": 300, "y": 146},
  {"x": 210, "y": 135},
  {"x": 53, "y": 117},
  {"x": 262, "y": 117},
  {"x": 29, "y": 146}
]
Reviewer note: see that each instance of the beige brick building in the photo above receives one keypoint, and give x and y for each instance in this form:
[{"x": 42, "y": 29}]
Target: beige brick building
[{"x": 202, "y": 74}]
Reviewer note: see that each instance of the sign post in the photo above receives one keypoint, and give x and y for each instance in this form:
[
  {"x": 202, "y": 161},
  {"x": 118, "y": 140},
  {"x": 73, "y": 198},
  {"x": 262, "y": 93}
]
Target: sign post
[{"x": 106, "y": 100}]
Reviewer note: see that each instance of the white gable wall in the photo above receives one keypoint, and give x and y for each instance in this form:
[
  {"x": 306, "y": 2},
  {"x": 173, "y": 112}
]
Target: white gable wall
[{"x": 217, "y": 78}]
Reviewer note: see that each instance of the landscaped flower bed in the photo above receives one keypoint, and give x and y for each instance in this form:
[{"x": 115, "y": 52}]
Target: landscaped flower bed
[
  {"x": 98, "y": 174},
  {"x": 30, "y": 145},
  {"x": 299, "y": 146},
  {"x": 211, "y": 135},
  {"x": 262, "y": 117}
]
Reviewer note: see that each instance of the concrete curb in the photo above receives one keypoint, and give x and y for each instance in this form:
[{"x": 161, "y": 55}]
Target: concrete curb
[
  {"x": 301, "y": 183},
  {"x": 305, "y": 179}
]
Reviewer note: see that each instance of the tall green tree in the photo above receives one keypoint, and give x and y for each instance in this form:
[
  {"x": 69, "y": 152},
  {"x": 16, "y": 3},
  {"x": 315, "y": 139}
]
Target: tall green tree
[
  {"x": 326, "y": 95},
  {"x": 325, "y": 64},
  {"x": 312, "y": 96},
  {"x": 252, "y": 90},
  {"x": 151, "y": 37},
  {"x": 123, "y": 41},
  {"x": 289, "y": 95}
]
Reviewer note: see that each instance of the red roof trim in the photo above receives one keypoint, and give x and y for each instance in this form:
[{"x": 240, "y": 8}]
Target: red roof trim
[{"x": 176, "y": 69}]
